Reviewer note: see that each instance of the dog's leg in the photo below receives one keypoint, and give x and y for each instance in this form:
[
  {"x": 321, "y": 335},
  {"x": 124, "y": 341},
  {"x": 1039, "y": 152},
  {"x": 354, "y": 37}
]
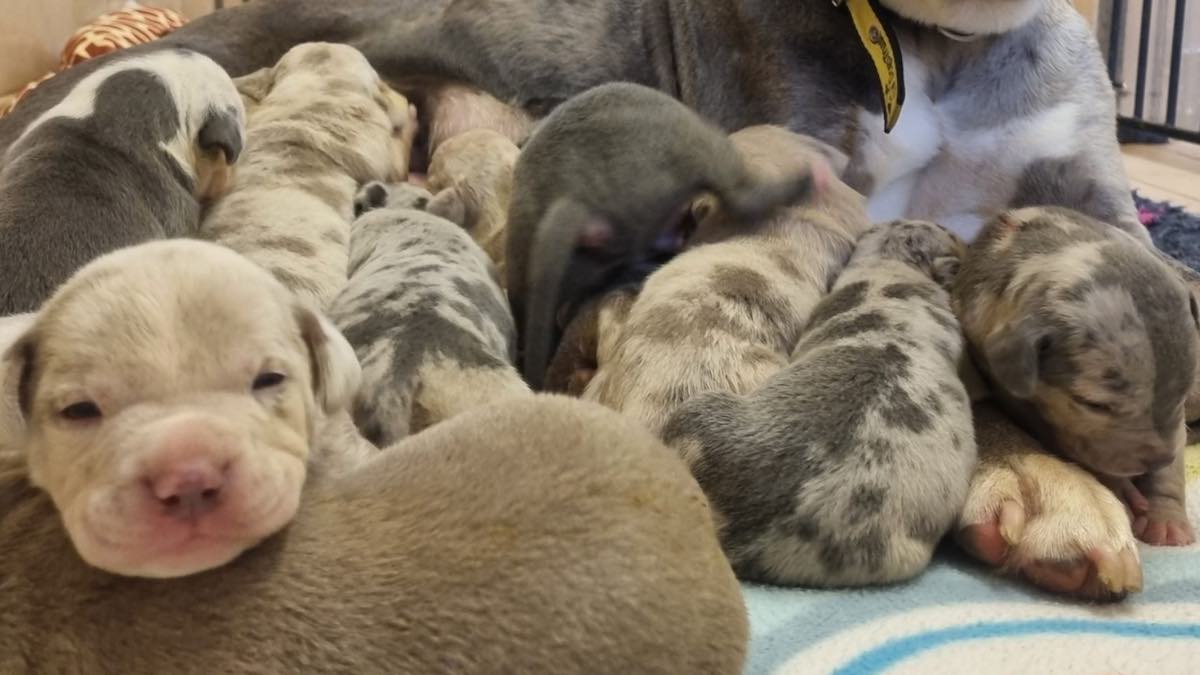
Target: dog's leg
[
  {"x": 1160, "y": 518},
  {"x": 1032, "y": 514}
]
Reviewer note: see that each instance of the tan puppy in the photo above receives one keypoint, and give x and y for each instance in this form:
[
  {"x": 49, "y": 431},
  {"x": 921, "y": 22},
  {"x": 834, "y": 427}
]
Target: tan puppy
[
  {"x": 322, "y": 123},
  {"x": 1090, "y": 340},
  {"x": 476, "y": 169},
  {"x": 539, "y": 535},
  {"x": 168, "y": 396},
  {"x": 595, "y": 329},
  {"x": 725, "y": 316},
  {"x": 1029, "y": 513}
]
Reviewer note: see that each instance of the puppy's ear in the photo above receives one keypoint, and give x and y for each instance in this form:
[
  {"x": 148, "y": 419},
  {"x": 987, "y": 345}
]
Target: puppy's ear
[
  {"x": 449, "y": 204},
  {"x": 256, "y": 85},
  {"x": 945, "y": 269},
  {"x": 838, "y": 160},
  {"x": 17, "y": 383},
  {"x": 222, "y": 131},
  {"x": 336, "y": 373},
  {"x": 1015, "y": 353}
]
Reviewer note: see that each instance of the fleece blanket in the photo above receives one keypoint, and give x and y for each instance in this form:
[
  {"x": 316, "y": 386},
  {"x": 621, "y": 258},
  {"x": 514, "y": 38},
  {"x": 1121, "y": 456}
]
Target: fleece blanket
[{"x": 960, "y": 618}]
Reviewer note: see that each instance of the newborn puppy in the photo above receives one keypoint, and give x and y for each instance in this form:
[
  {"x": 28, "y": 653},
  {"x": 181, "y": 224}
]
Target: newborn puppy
[
  {"x": 1090, "y": 340},
  {"x": 602, "y": 185},
  {"x": 476, "y": 169},
  {"x": 849, "y": 466},
  {"x": 582, "y": 541},
  {"x": 725, "y": 316},
  {"x": 122, "y": 159},
  {"x": 593, "y": 331},
  {"x": 168, "y": 394},
  {"x": 425, "y": 314},
  {"x": 322, "y": 124}
]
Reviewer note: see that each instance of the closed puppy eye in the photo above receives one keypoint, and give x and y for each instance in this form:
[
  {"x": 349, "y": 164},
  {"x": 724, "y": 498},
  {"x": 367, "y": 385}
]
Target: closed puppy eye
[
  {"x": 82, "y": 410},
  {"x": 1102, "y": 408},
  {"x": 268, "y": 380}
]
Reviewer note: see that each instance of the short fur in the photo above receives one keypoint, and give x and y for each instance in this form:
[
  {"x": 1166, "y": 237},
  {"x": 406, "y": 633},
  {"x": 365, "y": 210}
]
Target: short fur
[
  {"x": 725, "y": 316},
  {"x": 604, "y": 181},
  {"x": 593, "y": 330},
  {"x": 476, "y": 168},
  {"x": 121, "y": 159},
  {"x": 141, "y": 384},
  {"x": 1089, "y": 339},
  {"x": 322, "y": 124},
  {"x": 540, "y": 535},
  {"x": 425, "y": 314},
  {"x": 849, "y": 466}
]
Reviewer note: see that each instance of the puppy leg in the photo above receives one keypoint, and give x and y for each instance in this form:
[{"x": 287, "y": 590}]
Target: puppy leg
[
  {"x": 1160, "y": 516},
  {"x": 1031, "y": 514}
]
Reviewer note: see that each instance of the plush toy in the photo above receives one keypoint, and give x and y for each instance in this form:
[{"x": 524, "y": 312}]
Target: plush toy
[{"x": 123, "y": 28}]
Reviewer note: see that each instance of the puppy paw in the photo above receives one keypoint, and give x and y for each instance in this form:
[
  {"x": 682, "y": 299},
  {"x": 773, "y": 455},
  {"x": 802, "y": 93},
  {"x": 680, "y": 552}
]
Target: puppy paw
[
  {"x": 1164, "y": 522},
  {"x": 1053, "y": 524}
]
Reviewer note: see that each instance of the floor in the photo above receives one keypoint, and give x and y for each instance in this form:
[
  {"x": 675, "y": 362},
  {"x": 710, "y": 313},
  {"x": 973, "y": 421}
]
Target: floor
[{"x": 1169, "y": 172}]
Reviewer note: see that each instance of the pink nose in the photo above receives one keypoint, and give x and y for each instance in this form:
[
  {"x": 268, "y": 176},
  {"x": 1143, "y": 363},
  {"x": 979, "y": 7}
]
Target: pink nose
[{"x": 188, "y": 489}]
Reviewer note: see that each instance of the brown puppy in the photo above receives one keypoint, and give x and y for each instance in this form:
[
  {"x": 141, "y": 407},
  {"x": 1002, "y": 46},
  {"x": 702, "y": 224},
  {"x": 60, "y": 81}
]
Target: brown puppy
[
  {"x": 169, "y": 397},
  {"x": 594, "y": 331},
  {"x": 540, "y": 535}
]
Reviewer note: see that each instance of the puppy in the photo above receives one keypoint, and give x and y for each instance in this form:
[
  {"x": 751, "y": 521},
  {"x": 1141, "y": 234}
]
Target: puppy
[
  {"x": 593, "y": 331},
  {"x": 168, "y": 395},
  {"x": 849, "y": 466},
  {"x": 323, "y": 124},
  {"x": 583, "y": 541},
  {"x": 1032, "y": 514},
  {"x": 1090, "y": 340},
  {"x": 605, "y": 180},
  {"x": 426, "y": 316},
  {"x": 725, "y": 316},
  {"x": 476, "y": 168},
  {"x": 121, "y": 159}
]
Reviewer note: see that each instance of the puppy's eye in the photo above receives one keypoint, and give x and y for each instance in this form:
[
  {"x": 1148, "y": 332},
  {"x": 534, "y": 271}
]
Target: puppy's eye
[
  {"x": 83, "y": 410},
  {"x": 268, "y": 380},
  {"x": 1101, "y": 408}
]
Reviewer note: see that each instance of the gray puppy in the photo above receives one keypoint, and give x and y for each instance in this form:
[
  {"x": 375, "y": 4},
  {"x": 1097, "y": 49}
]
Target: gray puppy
[
  {"x": 425, "y": 314},
  {"x": 849, "y": 466},
  {"x": 604, "y": 183},
  {"x": 123, "y": 158}
]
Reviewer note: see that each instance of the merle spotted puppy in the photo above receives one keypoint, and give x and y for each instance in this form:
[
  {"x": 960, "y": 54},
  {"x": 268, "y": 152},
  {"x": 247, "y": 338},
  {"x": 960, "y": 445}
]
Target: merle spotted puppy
[
  {"x": 848, "y": 466},
  {"x": 425, "y": 314}
]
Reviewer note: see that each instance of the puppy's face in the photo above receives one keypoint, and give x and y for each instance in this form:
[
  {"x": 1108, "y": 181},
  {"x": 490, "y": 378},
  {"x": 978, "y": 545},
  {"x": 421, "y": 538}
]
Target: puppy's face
[
  {"x": 926, "y": 246},
  {"x": 169, "y": 392},
  {"x": 1087, "y": 333}
]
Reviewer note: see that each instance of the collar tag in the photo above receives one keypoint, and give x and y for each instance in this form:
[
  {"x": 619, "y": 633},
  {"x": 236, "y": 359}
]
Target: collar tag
[{"x": 882, "y": 46}]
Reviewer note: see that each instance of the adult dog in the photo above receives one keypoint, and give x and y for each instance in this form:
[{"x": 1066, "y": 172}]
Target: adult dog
[{"x": 1006, "y": 105}]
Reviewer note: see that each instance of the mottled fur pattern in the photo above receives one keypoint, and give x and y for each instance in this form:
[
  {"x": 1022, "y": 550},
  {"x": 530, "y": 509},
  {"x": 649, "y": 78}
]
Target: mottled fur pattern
[
  {"x": 126, "y": 156},
  {"x": 725, "y": 316},
  {"x": 425, "y": 314},
  {"x": 476, "y": 168},
  {"x": 849, "y": 466},
  {"x": 582, "y": 541},
  {"x": 322, "y": 124},
  {"x": 1088, "y": 338}
]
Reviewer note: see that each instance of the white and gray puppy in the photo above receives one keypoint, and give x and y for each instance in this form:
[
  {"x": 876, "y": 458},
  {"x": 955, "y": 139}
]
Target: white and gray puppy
[
  {"x": 850, "y": 465},
  {"x": 322, "y": 124},
  {"x": 725, "y": 316},
  {"x": 1090, "y": 340},
  {"x": 426, "y": 315},
  {"x": 123, "y": 158}
]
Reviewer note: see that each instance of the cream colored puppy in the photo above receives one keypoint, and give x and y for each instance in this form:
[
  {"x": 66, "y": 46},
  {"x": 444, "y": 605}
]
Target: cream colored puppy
[
  {"x": 726, "y": 315},
  {"x": 169, "y": 394},
  {"x": 475, "y": 168},
  {"x": 321, "y": 125}
]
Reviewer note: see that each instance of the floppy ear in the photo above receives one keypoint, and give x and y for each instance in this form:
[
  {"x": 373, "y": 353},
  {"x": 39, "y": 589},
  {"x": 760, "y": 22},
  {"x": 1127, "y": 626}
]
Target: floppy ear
[
  {"x": 336, "y": 373},
  {"x": 256, "y": 85},
  {"x": 945, "y": 269},
  {"x": 224, "y": 131},
  {"x": 1014, "y": 353},
  {"x": 449, "y": 204},
  {"x": 16, "y": 374}
]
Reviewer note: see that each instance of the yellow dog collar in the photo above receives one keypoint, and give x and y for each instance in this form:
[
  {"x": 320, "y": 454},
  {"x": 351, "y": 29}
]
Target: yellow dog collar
[{"x": 881, "y": 44}]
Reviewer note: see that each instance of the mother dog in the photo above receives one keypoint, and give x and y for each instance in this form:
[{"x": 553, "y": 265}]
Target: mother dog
[{"x": 1006, "y": 102}]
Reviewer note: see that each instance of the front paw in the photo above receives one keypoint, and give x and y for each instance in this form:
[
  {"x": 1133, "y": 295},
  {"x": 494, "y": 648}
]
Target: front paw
[
  {"x": 1035, "y": 516},
  {"x": 1164, "y": 523}
]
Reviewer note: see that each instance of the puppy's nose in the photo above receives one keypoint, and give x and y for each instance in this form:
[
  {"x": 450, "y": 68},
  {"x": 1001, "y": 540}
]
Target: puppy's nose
[{"x": 188, "y": 489}]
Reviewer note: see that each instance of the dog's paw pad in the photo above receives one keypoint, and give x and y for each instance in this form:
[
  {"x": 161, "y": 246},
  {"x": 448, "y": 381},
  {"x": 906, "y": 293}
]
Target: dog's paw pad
[{"x": 1164, "y": 529}]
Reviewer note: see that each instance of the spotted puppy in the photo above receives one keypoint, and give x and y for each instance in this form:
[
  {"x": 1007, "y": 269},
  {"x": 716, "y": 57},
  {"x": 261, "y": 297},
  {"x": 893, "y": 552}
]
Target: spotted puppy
[
  {"x": 476, "y": 168},
  {"x": 426, "y": 316},
  {"x": 127, "y": 156},
  {"x": 169, "y": 395},
  {"x": 849, "y": 466},
  {"x": 1089, "y": 340},
  {"x": 725, "y": 316},
  {"x": 322, "y": 125}
]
